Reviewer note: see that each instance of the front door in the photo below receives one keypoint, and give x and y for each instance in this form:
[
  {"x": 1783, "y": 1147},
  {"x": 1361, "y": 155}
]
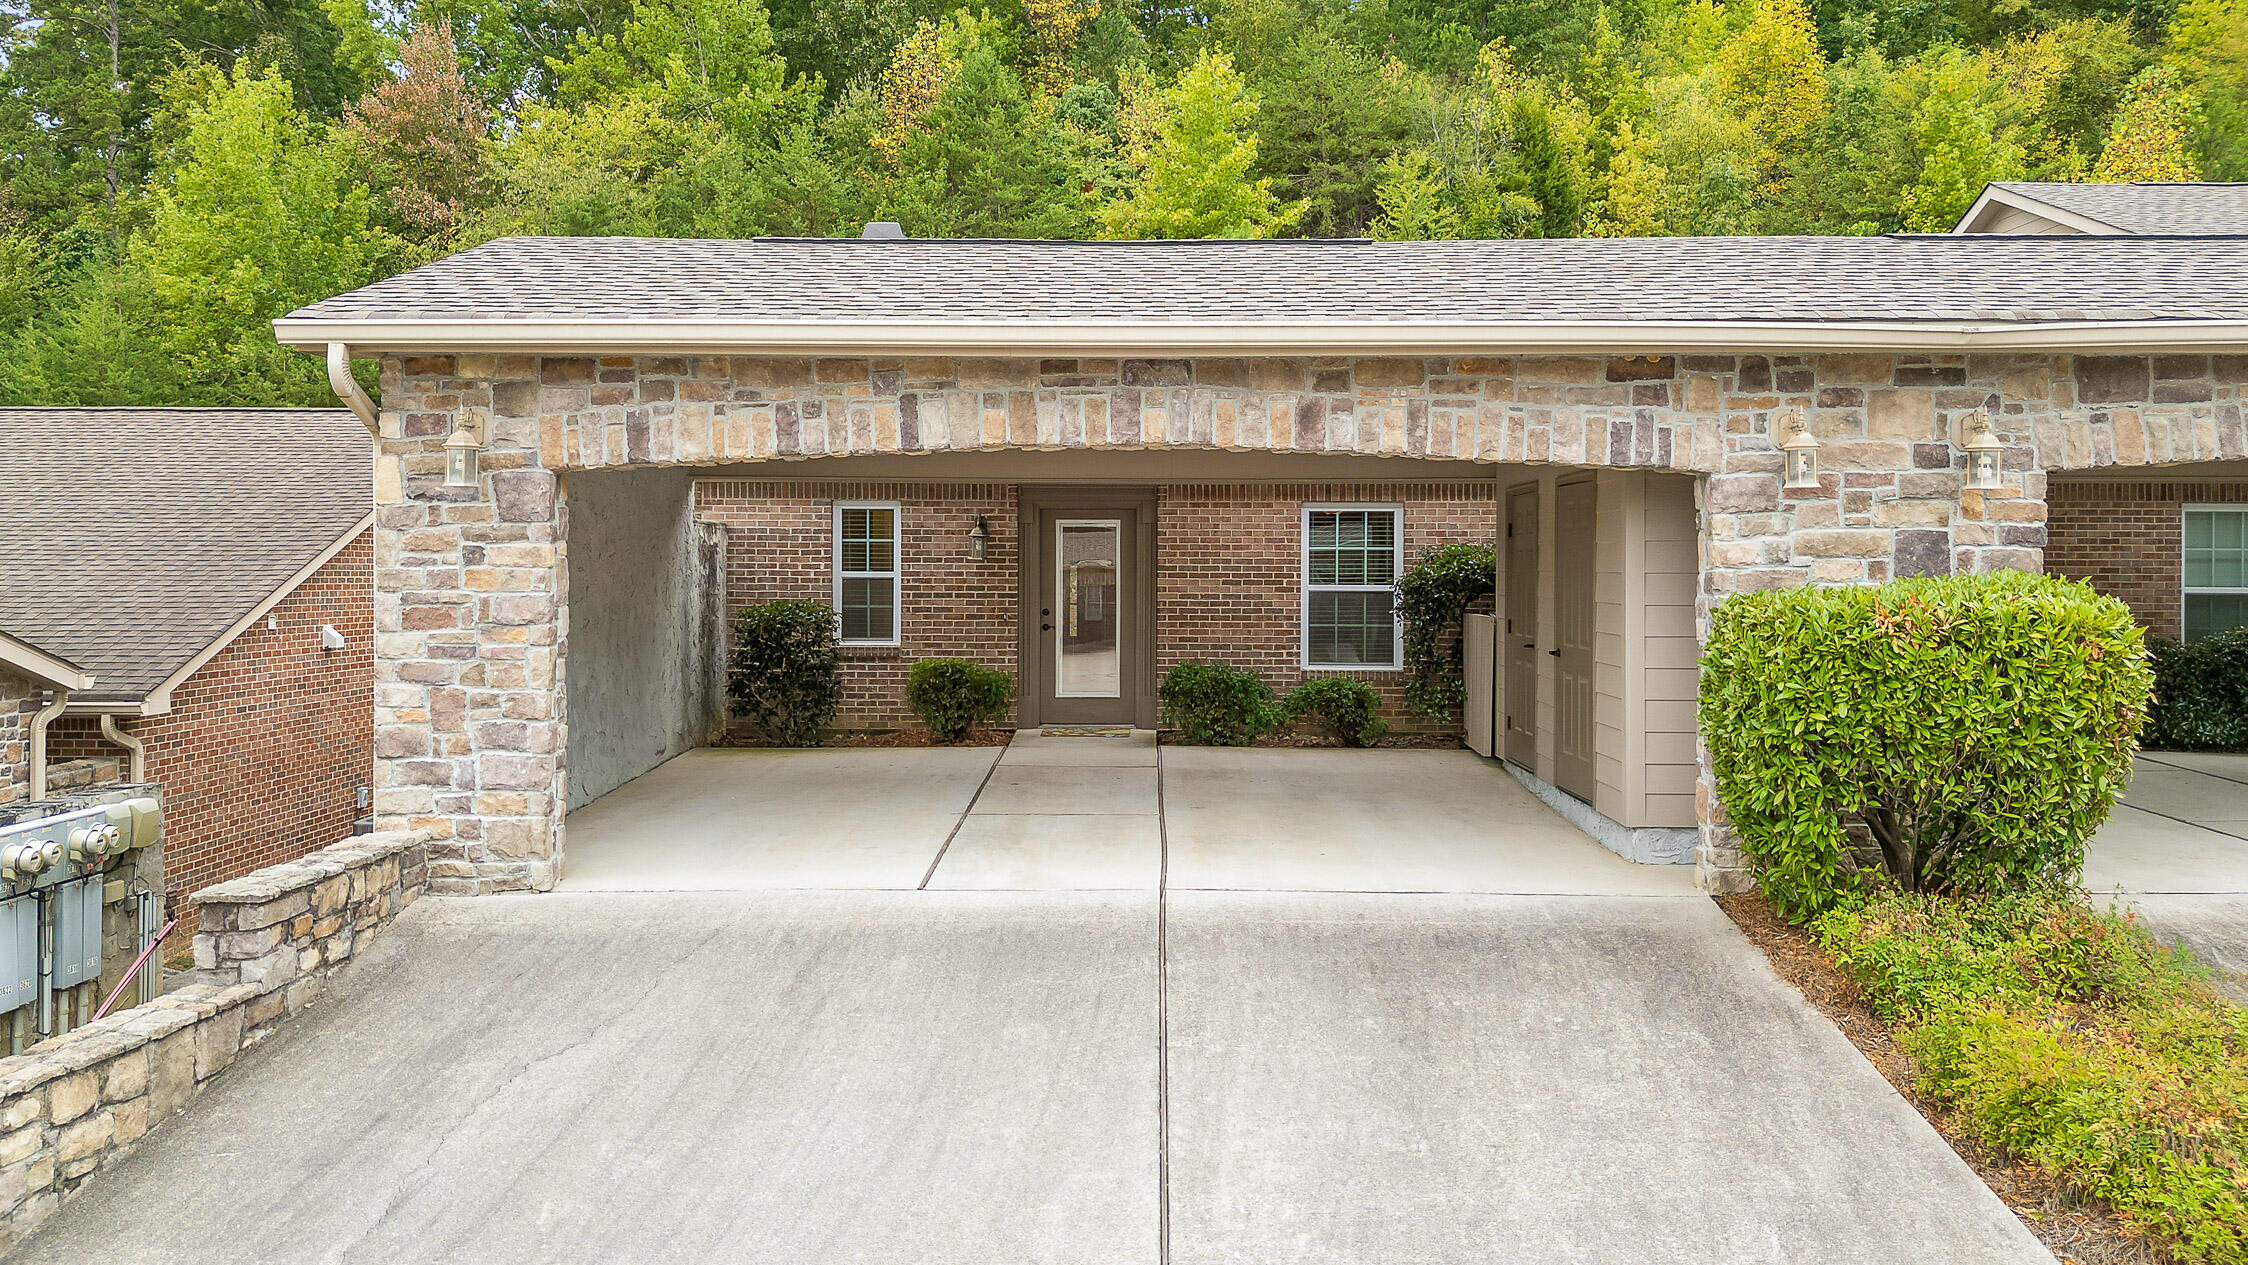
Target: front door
[
  {"x": 1520, "y": 636},
  {"x": 1089, "y": 624}
]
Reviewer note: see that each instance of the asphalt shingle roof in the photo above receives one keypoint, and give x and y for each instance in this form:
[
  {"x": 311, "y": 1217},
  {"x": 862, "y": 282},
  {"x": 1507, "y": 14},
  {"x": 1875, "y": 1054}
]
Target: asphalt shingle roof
[
  {"x": 131, "y": 538},
  {"x": 2147, "y": 207},
  {"x": 1938, "y": 277}
]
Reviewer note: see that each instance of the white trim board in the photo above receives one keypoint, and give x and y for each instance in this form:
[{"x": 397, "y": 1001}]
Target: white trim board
[{"x": 1027, "y": 338}]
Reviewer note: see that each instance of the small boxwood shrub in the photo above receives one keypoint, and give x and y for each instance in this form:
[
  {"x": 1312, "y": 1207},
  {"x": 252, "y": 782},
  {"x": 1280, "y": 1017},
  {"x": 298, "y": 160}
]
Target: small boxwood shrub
[
  {"x": 2201, "y": 694},
  {"x": 1347, "y": 710},
  {"x": 784, "y": 676},
  {"x": 2073, "y": 1041},
  {"x": 953, "y": 696},
  {"x": 1952, "y": 733},
  {"x": 1218, "y": 704}
]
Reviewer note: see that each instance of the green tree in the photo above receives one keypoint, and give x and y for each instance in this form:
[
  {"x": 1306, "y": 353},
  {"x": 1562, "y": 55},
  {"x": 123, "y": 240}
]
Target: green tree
[
  {"x": 253, "y": 215},
  {"x": 1192, "y": 177},
  {"x": 1328, "y": 113},
  {"x": 2152, "y": 137},
  {"x": 2208, "y": 50},
  {"x": 1416, "y": 204},
  {"x": 987, "y": 161},
  {"x": 1963, "y": 144},
  {"x": 1773, "y": 74},
  {"x": 421, "y": 139}
]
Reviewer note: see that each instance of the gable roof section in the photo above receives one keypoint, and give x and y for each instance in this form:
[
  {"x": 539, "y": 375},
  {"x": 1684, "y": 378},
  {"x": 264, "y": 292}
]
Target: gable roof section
[
  {"x": 135, "y": 539},
  {"x": 2209, "y": 209},
  {"x": 41, "y": 666},
  {"x": 776, "y": 295}
]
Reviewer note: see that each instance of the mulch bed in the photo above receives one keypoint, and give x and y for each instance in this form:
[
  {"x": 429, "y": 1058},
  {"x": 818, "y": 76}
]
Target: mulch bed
[
  {"x": 2076, "y": 1230},
  {"x": 892, "y": 738},
  {"x": 1394, "y": 742}
]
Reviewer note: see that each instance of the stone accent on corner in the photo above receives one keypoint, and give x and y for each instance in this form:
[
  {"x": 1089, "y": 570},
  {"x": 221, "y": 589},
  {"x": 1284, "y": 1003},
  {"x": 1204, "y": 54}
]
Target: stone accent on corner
[
  {"x": 71, "y": 1105},
  {"x": 471, "y": 584}
]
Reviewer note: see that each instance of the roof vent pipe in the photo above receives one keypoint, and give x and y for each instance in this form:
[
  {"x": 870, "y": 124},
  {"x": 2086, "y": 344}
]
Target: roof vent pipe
[{"x": 883, "y": 231}]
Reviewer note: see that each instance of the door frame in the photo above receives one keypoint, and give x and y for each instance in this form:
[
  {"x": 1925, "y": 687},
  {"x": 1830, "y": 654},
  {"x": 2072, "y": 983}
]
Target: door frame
[{"x": 1031, "y": 504}]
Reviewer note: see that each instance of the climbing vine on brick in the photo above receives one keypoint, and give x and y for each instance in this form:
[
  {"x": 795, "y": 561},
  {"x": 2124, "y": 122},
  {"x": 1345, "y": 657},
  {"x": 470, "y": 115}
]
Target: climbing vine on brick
[{"x": 1432, "y": 597}]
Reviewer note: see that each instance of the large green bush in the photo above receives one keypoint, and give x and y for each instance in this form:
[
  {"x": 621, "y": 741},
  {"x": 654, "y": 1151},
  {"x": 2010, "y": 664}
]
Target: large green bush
[
  {"x": 1952, "y": 733},
  {"x": 1432, "y": 596},
  {"x": 1218, "y": 704},
  {"x": 2073, "y": 1041},
  {"x": 785, "y": 676},
  {"x": 1348, "y": 710},
  {"x": 2201, "y": 694},
  {"x": 953, "y": 696}
]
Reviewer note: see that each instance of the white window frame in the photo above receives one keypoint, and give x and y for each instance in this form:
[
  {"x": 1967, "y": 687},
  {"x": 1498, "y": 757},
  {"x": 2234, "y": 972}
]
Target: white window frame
[
  {"x": 1305, "y": 586},
  {"x": 2186, "y": 590},
  {"x": 895, "y": 575}
]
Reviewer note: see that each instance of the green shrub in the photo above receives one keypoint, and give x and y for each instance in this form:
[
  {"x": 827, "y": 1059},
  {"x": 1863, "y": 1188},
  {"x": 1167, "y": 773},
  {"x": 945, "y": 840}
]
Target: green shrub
[
  {"x": 1432, "y": 596},
  {"x": 1347, "y": 710},
  {"x": 2073, "y": 1041},
  {"x": 784, "y": 675},
  {"x": 2201, "y": 694},
  {"x": 953, "y": 696},
  {"x": 1973, "y": 730},
  {"x": 1217, "y": 704}
]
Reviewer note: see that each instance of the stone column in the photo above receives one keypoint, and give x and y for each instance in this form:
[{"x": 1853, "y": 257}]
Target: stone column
[{"x": 469, "y": 622}]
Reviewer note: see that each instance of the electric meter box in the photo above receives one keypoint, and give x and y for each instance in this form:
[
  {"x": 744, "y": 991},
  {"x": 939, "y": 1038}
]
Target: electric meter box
[
  {"x": 77, "y": 932},
  {"x": 19, "y": 952}
]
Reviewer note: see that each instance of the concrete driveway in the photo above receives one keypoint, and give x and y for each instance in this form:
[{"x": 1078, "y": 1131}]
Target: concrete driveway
[
  {"x": 2176, "y": 849},
  {"x": 1138, "y": 1073}
]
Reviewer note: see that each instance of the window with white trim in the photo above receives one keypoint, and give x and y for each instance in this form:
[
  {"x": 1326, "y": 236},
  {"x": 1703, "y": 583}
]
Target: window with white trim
[
  {"x": 2216, "y": 569},
  {"x": 866, "y": 572},
  {"x": 1353, "y": 555}
]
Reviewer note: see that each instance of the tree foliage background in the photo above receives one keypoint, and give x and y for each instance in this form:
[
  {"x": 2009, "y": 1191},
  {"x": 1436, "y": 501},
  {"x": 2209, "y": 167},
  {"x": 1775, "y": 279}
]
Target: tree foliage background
[{"x": 176, "y": 173}]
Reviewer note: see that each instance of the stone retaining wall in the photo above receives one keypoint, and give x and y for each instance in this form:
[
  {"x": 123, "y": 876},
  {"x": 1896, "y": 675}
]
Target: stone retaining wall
[{"x": 73, "y": 1104}]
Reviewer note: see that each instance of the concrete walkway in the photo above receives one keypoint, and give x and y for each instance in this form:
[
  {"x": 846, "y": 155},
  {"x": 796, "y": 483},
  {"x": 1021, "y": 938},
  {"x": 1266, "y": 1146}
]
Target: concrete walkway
[
  {"x": 1079, "y": 1002},
  {"x": 964, "y": 1078},
  {"x": 2176, "y": 849}
]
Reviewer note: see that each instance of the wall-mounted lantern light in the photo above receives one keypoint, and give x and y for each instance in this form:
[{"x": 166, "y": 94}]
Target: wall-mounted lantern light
[
  {"x": 1801, "y": 451},
  {"x": 1983, "y": 447},
  {"x": 460, "y": 456},
  {"x": 979, "y": 538}
]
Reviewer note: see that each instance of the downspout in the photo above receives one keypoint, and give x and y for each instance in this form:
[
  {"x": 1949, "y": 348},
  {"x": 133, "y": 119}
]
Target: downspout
[
  {"x": 134, "y": 745},
  {"x": 347, "y": 388},
  {"x": 39, "y": 722}
]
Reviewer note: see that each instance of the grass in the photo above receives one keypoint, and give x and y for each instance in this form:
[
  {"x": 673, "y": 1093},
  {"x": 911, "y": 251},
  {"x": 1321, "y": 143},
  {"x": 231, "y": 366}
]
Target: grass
[{"x": 2073, "y": 1041}]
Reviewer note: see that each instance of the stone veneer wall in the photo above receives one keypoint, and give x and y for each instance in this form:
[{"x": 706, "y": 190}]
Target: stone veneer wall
[
  {"x": 472, "y": 592},
  {"x": 80, "y": 1101}
]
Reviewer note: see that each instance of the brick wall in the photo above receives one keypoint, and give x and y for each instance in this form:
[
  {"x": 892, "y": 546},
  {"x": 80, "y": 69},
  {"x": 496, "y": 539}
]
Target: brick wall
[
  {"x": 780, "y": 545},
  {"x": 1228, "y": 568},
  {"x": 2124, "y": 537},
  {"x": 266, "y": 746}
]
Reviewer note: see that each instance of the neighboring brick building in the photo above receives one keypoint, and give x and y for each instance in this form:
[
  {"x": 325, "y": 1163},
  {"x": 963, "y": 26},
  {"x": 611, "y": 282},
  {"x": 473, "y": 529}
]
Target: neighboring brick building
[{"x": 213, "y": 570}]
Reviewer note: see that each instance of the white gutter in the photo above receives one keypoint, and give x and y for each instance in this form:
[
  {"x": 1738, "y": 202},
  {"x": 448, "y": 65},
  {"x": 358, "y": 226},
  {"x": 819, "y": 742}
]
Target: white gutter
[
  {"x": 1238, "y": 338},
  {"x": 347, "y": 388},
  {"x": 39, "y": 722},
  {"x": 135, "y": 746}
]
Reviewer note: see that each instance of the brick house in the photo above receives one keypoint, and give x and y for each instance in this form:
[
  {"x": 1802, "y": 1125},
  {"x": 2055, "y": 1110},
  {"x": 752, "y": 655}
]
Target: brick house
[
  {"x": 211, "y": 571},
  {"x": 1082, "y": 462}
]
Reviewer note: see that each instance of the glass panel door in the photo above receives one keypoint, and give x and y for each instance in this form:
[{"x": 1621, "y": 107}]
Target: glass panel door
[{"x": 1087, "y": 559}]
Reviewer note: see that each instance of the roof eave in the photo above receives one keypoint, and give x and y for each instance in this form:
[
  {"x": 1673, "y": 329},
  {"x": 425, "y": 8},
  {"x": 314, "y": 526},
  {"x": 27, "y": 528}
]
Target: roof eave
[
  {"x": 1248, "y": 337},
  {"x": 42, "y": 665}
]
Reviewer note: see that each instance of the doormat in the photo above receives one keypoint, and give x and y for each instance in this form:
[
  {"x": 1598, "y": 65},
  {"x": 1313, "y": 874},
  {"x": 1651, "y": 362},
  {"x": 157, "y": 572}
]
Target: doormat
[{"x": 1087, "y": 731}]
